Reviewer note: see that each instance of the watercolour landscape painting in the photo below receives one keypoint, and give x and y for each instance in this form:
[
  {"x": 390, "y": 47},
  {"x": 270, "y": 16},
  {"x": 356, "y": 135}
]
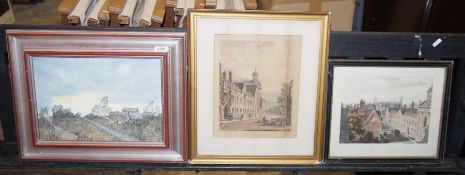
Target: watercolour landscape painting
[
  {"x": 99, "y": 99},
  {"x": 387, "y": 109},
  {"x": 400, "y": 116},
  {"x": 256, "y": 85}
]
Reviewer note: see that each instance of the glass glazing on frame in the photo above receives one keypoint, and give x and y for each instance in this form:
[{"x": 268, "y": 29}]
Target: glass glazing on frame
[
  {"x": 256, "y": 85},
  {"x": 387, "y": 110},
  {"x": 400, "y": 116},
  {"x": 98, "y": 99}
]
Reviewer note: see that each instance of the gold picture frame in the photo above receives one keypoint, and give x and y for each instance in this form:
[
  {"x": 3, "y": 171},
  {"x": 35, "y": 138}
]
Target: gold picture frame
[{"x": 217, "y": 134}]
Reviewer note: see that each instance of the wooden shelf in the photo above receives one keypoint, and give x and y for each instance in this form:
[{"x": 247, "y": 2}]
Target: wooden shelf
[
  {"x": 350, "y": 45},
  {"x": 9, "y": 159}
]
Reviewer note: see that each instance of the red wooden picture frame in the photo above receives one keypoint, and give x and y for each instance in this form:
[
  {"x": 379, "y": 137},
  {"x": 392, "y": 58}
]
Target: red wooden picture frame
[{"x": 168, "y": 47}]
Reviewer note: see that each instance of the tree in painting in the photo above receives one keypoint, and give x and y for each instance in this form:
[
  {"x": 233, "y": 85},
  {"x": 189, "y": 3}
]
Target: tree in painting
[
  {"x": 285, "y": 104},
  {"x": 98, "y": 99}
]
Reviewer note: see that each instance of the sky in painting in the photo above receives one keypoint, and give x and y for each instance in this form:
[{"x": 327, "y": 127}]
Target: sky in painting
[
  {"x": 390, "y": 86},
  {"x": 79, "y": 83},
  {"x": 276, "y": 59}
]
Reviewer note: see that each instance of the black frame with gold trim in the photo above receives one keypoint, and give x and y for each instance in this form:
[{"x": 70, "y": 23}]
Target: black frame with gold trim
[{"x": 448, "y": 65}]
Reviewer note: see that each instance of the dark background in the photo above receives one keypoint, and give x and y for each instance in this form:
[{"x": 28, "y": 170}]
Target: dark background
[
  {"x": 3, "y": 7},
  {"x": 432, "y": 16}
]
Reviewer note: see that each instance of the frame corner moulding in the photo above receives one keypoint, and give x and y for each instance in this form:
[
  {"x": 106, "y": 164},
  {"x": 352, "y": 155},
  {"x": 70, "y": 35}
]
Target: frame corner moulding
[
  {"x": 104, "y": 96},
  {"x": 388, "y": 112}
]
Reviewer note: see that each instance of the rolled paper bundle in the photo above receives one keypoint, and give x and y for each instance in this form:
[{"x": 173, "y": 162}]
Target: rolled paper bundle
[
  {"x": 181, "y": 4},
  {"x": 92, "y": 19},
  {"x": 159, "y": 13},
  {"x": 104, "y": 14},
  {"x": 78, "y": 15},
  {"x": 230, "y": 4},
  {"x": 171, "y": 3},
  {"x": 250, "y": 4},
  {"x": 92, "y": 22},
  {"x": 137, "y": 14},
  {"x": 210, "y": 4},
  {"x": 182, "y": 9},
  {"x": 147, "y": 10},
  {"x": 291, "y": 5},
  {"x": 65, "y": 8},
  {"x": 220, "y": 4},
  {"x": 127, "y": 13}
]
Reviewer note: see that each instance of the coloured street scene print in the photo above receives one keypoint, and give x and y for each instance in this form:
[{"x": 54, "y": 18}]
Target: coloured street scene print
[
  {"x": 98, "y": 99},
  {"x": 389, "y": 109},
  {"x": 256, "y": 85}
]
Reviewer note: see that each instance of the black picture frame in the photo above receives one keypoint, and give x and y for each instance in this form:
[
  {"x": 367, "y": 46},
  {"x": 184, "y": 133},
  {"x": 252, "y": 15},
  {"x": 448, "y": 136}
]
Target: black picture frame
[{"x": 448, "y": 65}]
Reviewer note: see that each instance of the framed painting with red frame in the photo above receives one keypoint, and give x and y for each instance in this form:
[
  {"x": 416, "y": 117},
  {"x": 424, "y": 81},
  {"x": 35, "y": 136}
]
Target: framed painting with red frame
[{"x": 99, "y": 95}]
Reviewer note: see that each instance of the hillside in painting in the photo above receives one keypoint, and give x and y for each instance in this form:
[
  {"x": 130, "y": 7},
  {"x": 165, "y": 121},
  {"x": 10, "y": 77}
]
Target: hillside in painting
[{"x": 64, "y": 125}]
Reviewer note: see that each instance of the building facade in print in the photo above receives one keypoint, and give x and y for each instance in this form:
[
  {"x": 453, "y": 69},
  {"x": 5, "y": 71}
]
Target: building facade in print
[
  {"x": 374, "y": 124},
  {"x": 239, "y": 99},
  {"x": 412, "y": 120},
  {"x": 385, "y": 122},
  {"x": 363, "y": 122}
]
